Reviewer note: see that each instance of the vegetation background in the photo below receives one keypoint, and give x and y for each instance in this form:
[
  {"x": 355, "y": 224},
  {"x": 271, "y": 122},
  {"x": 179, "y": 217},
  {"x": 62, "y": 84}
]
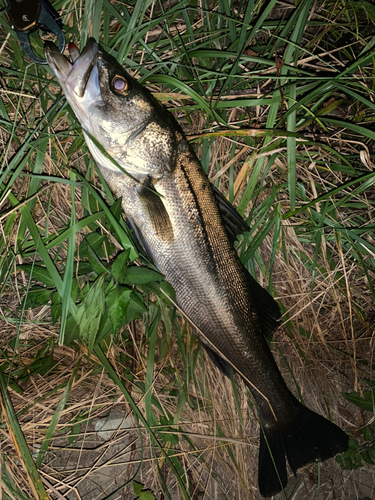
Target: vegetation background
[{"x": 277, "y": 98}]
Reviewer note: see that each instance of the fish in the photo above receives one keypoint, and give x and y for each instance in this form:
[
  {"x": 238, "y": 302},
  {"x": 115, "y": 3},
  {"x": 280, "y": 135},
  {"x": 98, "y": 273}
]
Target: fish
[{"x": 187, "y": 229}]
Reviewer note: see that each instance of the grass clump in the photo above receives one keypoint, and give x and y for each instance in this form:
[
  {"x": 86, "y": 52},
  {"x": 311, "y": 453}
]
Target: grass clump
[{"x": 277, "y": 99}]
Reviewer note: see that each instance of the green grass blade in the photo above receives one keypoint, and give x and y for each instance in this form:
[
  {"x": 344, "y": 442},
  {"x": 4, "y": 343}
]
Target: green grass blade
[
  {"x": 366, "y": 177},
  {"x": 69, "y": 269},
  {"x": 151, "y": 333},
  {"x": 24, "y": 455}
]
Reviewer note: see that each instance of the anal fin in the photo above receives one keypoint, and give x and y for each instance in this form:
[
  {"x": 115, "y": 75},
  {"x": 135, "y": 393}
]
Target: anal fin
[{"x": 219, "y": 362}]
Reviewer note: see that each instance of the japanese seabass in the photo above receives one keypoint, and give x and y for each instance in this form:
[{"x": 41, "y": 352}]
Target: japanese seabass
[{"x": 185, "y": 228}]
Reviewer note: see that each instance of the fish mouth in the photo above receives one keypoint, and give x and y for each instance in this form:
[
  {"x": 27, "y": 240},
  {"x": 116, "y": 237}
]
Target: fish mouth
[{"x": 74, "y": 75}]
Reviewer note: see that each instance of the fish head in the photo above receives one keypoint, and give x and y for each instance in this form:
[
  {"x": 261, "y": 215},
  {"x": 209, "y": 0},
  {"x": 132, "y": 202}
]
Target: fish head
[{"x": 134, "y": 129}]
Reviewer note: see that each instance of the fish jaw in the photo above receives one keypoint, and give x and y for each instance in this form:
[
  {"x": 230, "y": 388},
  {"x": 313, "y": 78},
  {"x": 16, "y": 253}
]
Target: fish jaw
[
  {"x": 79, "y": 80},
  {"x": 116, "y": 112}
]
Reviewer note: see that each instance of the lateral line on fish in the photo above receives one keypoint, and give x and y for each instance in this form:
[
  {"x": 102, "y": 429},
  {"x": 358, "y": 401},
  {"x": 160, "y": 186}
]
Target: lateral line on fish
[{"x": 219, "y": 352}]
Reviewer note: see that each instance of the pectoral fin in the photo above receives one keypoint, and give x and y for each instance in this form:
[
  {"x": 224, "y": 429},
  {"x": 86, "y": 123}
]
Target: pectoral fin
[{"x": 155, "y": 211}]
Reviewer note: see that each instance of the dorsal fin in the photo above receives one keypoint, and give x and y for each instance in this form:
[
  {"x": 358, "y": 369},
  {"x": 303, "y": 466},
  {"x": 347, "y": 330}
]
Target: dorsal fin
[
  {"x": 268, "y": 314},
  {"x": 233, "y": 222},
  {"x": 267, "y": 307}
]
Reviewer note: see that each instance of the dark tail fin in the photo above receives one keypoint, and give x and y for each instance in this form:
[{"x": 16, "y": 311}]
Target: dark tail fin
[{"x": 307, "y": 439}]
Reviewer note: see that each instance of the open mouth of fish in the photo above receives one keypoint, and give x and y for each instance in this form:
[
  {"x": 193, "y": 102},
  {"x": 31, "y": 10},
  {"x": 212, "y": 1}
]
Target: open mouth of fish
[{"x": 79, "y": 74}]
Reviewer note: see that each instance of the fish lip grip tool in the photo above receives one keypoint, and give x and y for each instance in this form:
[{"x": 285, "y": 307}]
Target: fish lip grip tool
[{"x": 27, "y": 16}]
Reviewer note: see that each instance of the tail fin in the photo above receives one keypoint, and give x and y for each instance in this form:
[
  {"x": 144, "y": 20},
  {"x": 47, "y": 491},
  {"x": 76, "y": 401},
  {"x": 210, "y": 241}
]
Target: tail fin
[{"x": 307, "y": 439}]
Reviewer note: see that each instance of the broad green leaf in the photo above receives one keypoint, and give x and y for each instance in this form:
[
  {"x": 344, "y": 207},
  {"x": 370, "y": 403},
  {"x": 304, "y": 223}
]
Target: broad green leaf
[
  {"x": 366, "y": 403},
  {"x": 100, "y": 244},
  {"x": 116, "y": 210},
  {"x": 117, "y": 302},
  {"x": 86, "y": 250},
  {"x": 119, "y": 266},
  {"x": 136, "y": 307},
  {"x": 143, "y": 494},
  {"x": 141, "y": 275},
  {"x": 90, "y": 312},
  {"x": 37, "y": 296},
  {"x": 39, "y": 273}
]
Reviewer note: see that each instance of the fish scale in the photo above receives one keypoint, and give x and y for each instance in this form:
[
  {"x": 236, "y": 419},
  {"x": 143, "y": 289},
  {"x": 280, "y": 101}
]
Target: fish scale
[
  {"x": 181, "y": 225},
  {"x": 237, "y": 313}
]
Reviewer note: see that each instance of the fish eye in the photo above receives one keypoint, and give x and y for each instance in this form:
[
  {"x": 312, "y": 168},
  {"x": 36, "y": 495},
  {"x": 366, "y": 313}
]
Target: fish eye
[{"x": 120, "y": 85}]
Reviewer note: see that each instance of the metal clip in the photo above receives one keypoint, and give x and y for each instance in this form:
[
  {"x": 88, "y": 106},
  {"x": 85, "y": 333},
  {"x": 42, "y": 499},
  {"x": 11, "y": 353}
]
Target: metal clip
[{"x": 26, "y": 16}]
